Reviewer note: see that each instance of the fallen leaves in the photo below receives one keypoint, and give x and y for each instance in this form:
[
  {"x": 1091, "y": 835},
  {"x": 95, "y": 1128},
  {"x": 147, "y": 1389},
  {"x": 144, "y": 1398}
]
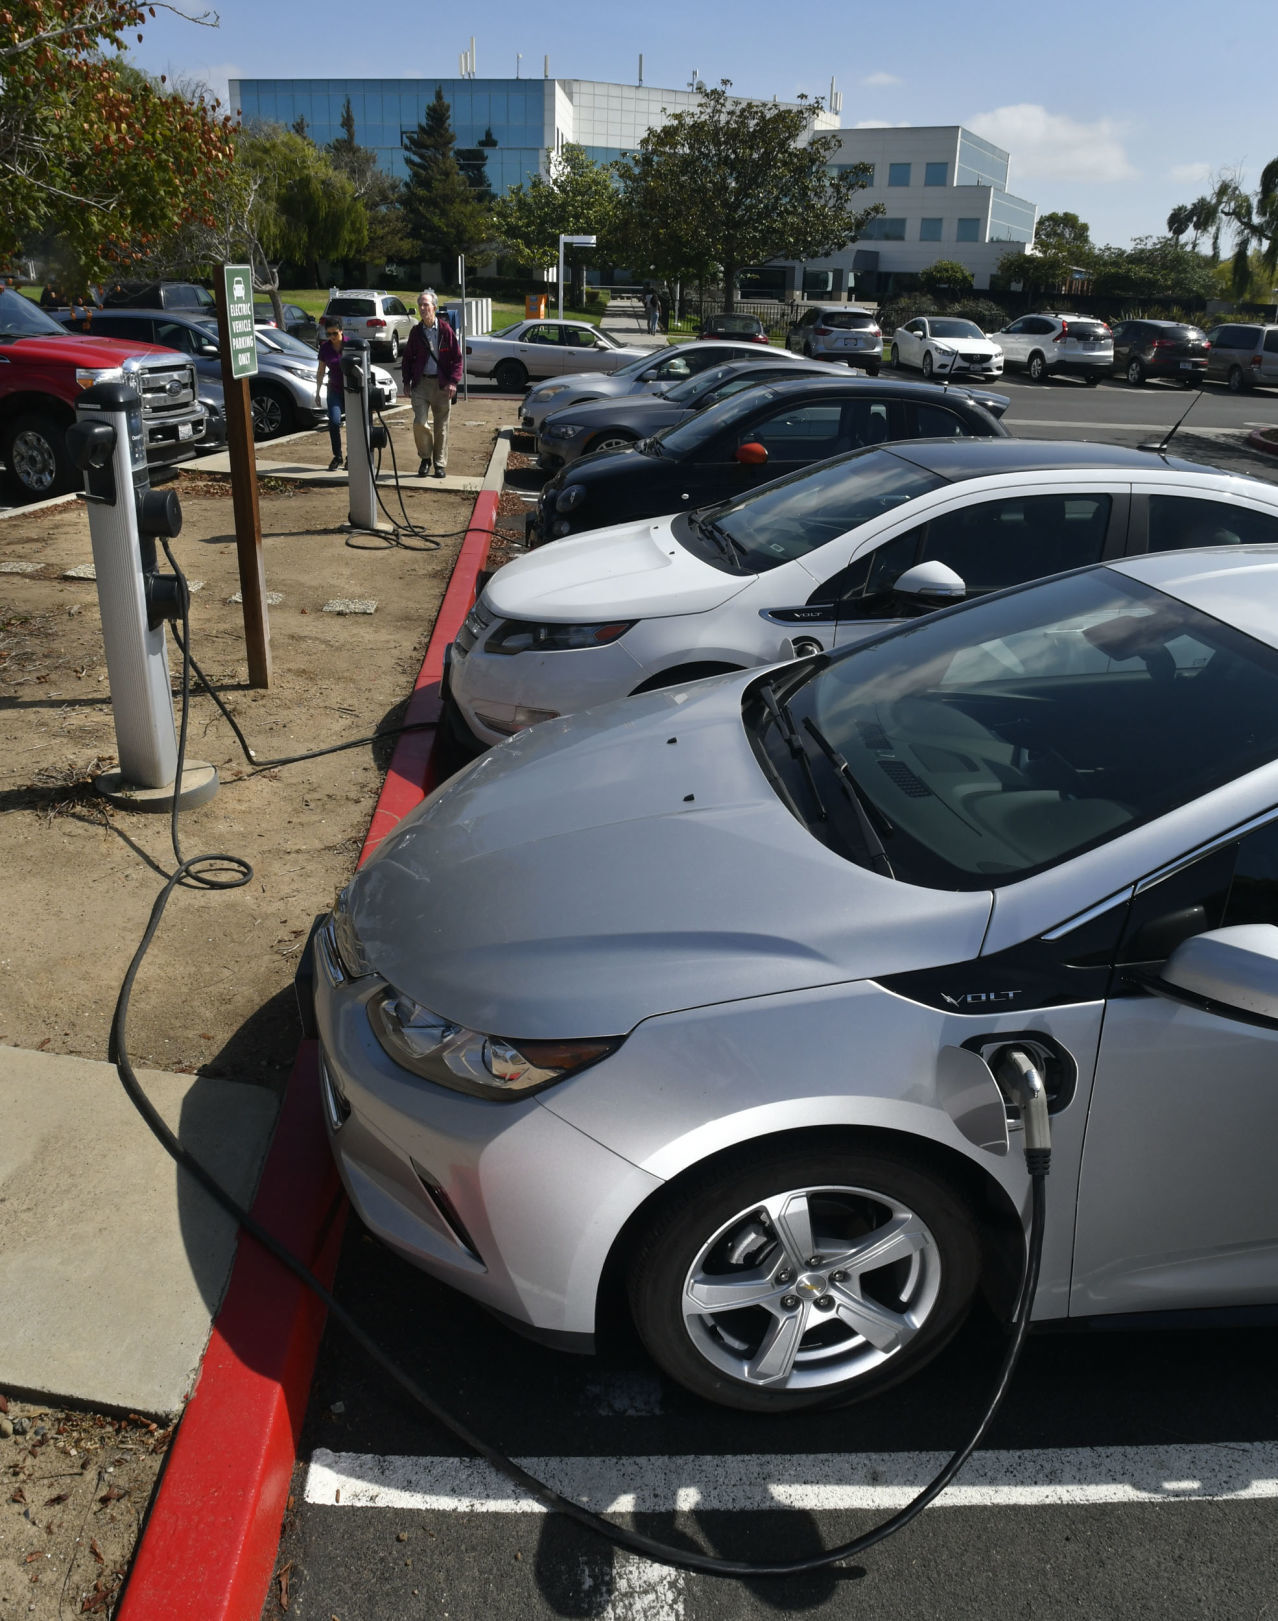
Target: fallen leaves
[{"x": 282, "y": 1579}]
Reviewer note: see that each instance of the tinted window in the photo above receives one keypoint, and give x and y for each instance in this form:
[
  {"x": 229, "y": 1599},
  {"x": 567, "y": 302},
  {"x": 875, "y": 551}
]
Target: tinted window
[
  {"x": 1271, "y": 342},
  {"x": 898, "y": 174},
  {"x": 175, "y": 336},
  {"x": 938, "y": 422},
  {"x": 392, "y": 306},
  {"x": 137, "y": 327},
  {"x": 805, "y": 432},
  {"x": 848, "y": 320},
  {"x": 1006, "y": 738},
  {"x": 1177, "y": 522},
  {"x": 943, "y": 328},
  {"x": 1253, "y": 895},
  {"x": 1088, "y": 331},
  {"x": 936, "y": 174},
  {"x": 796, "y": 514},
  {"x": 968, "y": 230},
  {"x": 350, "y": 306},
  {"x": 929, "y": 230}
]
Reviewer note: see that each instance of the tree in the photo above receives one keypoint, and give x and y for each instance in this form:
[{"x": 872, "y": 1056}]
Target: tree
[
  {"x": 92, "y": 152},
  {"x": 473, "y": 163},
  {"x": 946, "y": 276},
  {"x": 1063, "y": 233},
  {"x": 737, "y": 183},
  {"x": 577, "y": 198},
  {"x": 1154, "y": 267},
  {"x": 1250, "y": 217},
  {"x": 381, "y": 194},
  {"x": 442, "y": 215}
]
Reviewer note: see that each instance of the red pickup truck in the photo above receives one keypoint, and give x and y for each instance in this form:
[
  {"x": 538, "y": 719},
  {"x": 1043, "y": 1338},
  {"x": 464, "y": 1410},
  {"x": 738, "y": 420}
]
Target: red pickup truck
[{"x": 44, "y": 369}]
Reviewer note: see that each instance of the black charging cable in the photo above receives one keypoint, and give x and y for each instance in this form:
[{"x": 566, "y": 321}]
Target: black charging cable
[{"x": 231, "y": 872}]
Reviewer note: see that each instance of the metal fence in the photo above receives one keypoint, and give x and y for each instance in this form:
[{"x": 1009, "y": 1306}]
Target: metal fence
[{"x": 776, "y": 317}]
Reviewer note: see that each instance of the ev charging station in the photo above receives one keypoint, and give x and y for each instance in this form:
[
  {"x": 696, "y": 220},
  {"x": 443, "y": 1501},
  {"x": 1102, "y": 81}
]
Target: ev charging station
[
  {"x": 363, "y": 437},
  {"x": 107, "y": 444}
]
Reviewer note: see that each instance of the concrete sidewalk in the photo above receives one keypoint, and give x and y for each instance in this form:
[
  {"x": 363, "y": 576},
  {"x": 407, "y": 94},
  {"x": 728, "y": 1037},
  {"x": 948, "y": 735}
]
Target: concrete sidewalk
[
  {"x": 112, "y": 1262},
  {"x": 625, "y": 321}
]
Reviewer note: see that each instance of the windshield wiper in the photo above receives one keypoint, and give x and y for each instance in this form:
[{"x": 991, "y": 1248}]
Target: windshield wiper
[
  {"x": 856, "y": 798},
  {"x": 650, "y": 446},
  {"x": 780, "y": 713},
  {"x": 721, "y": 538}
]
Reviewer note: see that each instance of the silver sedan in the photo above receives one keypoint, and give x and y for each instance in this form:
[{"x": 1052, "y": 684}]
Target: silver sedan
[
  {"x": 713, "y": 993},
  {"x": 531, "y": 349}
]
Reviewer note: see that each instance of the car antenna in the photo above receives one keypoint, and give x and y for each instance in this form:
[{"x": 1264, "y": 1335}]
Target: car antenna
[{"x": 1166, "y": 440}]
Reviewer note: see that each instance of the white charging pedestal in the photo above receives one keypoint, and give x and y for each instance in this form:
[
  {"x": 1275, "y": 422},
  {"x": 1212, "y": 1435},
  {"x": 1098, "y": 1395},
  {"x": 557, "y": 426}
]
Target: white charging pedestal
[
  {"x": 362, "y": 439},
  {"x": 108, "y": 445}
]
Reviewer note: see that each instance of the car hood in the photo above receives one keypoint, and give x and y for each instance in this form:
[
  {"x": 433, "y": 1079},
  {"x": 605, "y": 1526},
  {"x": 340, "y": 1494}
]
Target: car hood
[
  {"x": 77, "y": 349},
  {"x": 967, "y": 346},
  {"x": 599, "y": 413},
  {"x": 626, "y": 862},
  {"x": 630, "y": 571}
]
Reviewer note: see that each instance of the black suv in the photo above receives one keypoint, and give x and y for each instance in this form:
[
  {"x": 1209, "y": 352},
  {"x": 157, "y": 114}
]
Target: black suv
[
  {"x": 160, "y": 295},
  {"x": 1160, "y": 349}
]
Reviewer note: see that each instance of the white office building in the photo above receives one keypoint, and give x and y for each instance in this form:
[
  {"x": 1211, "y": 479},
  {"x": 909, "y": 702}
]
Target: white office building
[{"x": 944, "y": 190}]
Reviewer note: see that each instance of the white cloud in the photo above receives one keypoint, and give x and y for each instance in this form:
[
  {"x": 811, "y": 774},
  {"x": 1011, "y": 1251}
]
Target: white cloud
[
  {"x": 1190, "y": 174},
  {"x": 214, "y": 76},
  {"x": 1053, "y": 146},
  {"x": 880, "y": 81}
]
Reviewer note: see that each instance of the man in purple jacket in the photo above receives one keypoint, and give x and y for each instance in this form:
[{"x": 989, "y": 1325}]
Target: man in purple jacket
[{"x": 432, "y": 370}]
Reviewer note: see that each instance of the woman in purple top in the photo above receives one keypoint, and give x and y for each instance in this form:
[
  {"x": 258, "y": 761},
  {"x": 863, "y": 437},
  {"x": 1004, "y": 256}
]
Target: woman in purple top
[{"x": 330, "y": 360}]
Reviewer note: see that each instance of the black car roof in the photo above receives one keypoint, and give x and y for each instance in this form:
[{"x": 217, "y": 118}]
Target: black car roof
[
  {"x": 981, "y": 458},
  {"x": 885, "y": 387}
]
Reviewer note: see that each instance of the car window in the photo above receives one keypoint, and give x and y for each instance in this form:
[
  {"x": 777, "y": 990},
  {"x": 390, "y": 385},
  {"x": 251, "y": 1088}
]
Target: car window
[
  {"x": 918, "y": 328},
  {"x": 137, "y": 327},
  {"x": 805, "y": 432},
  {"x": 1271, "y": 342},
  {"x": 1178, "y": 522},
  {"x": 956, "y": 329},
  {"x": 350, "y": 306},
  {"x": 847, "y": 320},
  {"x": 1016, "y": 327},
  {"x": 990, "y": 545},
  {"x": 937, "y": 422},
  {"x": 176, "y": 336},
  {"x": 396, "y": 306},
  {"x": 795, "y": 515},
  {"x": 540, "y": 334},
  {"x": 974, "y": 735},
  {"x": 577, "y": 337}
]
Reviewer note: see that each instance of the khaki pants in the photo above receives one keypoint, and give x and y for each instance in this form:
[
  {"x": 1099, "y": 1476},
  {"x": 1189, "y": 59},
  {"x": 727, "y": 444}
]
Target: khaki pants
[{"x": 431, "y": 405}]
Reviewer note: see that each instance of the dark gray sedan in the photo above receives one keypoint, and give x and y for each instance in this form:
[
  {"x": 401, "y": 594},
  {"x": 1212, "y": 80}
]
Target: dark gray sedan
[{"x": 611, "y": 424}]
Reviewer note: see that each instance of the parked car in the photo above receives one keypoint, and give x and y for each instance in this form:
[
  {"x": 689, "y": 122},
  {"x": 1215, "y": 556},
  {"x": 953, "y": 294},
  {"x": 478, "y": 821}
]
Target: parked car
[
  {"x": 545, "y": 349},
  {"x": 379, "y": 317},
  {"x": 577, "y": 430},
  {"x": 947, "y": 346},
  {"x": 650, "y": 371},
  {"x": 1160, "y": 349},
  {"x": 213, "y": 399},
  {"x": 705, "y": 995},
  {"x": 1244, "y": 354},
  {"x": 160, "y": 295},
  {"x": 282, "y": 392},
  {"x": 275, "y": 342},
  {"x": 747, "y": 327},
  {"x": 43, "y": 370},
  {"x": 1073, "y": 345},
  {"x": 818, "y": 561},
  {"x": 297, "y": 323},
  {"x": 838, "y": 332},
  {"x": 749, "y": 440}
]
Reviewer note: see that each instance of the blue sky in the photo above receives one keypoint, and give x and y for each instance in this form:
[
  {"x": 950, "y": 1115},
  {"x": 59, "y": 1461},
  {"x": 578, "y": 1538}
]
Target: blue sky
[{"x": 1115, "y": 112}]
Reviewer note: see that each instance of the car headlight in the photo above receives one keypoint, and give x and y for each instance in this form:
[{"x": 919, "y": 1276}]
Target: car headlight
[
  {"x": 86, "y": 376},
  {"x": 570, "y": 498},
  {"x": 548, "y": 393},
  {"x": 349, "y": 946},
  {"x": 565, "y": 430},
  {"x": 523, "y": 636},
  {"x": 469, "y": 1061}
]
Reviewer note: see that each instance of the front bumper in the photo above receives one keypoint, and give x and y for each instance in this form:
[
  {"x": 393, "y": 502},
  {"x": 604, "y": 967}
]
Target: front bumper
[
  {"x": 505, "y": 1201},
  {"x": 502, "y": 688}
]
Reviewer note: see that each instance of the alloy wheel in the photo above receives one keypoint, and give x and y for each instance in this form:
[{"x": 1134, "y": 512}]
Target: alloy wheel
[{"x": 34, "y": 464}]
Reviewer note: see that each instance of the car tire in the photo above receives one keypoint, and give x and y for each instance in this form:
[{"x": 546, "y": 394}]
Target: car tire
[
  {"x": 510, "y": 376},
  {"x": 882, "y": 1324},
  {"x": 274, "y": 413},
  {"x": 611, "y": 440},
  {"x": 1037, "y": 368},
  {"x": 809, "y": 353},
  {"x": 1237, "y": 380},
  {"x": 394, "y": 346},
  {"x": 1094, "y": 379},
  {"x": 929, "y": 365},
  {"x": 872, "y": 368},
  {"x": 35, "y": 456},
  {"x": 894, "y": 356},
  {"x": 1135, "y": 373}
]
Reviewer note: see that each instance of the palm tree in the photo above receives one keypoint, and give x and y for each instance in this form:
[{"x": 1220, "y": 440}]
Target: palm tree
[{"x": 1251, "y": 219}]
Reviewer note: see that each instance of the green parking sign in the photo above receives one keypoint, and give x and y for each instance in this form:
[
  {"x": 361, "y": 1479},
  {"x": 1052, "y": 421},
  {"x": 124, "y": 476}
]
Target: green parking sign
[{"x": 239, "y": 320}]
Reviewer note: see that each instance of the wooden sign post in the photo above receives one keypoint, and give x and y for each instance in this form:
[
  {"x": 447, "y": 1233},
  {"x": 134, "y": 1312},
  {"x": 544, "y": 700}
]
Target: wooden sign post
[{"x": 237, "y": 340}]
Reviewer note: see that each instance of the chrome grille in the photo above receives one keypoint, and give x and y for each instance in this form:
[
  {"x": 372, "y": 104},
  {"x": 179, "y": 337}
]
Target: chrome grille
[{"x": 167, "y": 389}]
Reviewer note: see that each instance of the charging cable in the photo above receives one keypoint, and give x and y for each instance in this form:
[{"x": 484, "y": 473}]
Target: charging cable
[{"x": 1018, "y": 1075}]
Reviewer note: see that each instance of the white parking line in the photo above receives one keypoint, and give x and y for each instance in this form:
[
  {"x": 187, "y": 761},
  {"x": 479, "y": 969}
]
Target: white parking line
[{"x": 1234, "y": 1472}]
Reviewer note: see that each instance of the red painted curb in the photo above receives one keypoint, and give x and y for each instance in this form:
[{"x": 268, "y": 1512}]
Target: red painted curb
[
  {"x": 209, "y": 1544},
  {"x": 1265, "y": 439}
]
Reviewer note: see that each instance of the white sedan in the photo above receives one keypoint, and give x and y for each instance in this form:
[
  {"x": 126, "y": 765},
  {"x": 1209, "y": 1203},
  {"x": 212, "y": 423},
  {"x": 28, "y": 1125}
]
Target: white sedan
[
  {"x": 544, "y": 349},
  {"x": 942, "y": 344}
]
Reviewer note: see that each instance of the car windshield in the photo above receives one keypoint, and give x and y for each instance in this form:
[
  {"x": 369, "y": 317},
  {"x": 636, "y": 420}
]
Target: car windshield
[
  {"x": 735, "y": 323},
  {"x": 686, "y": 438},
  {"x": 796, "y": 514},
  {"x": 276, "y": 338},
  {"x": 640, "y": 364},
  {"x": 690, "y": 389},
  {"x": 506, "y": 331},
  {"x": 955, "y": 329},
  {"x": 997, "y": 740},
  {"x": 20, "y": 318}
]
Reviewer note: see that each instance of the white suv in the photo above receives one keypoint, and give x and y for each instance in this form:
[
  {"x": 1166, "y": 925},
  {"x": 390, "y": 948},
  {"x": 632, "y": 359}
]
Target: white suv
[
  {"x": 380, "y": 317},
  {"x": 1076, "y": 344}
]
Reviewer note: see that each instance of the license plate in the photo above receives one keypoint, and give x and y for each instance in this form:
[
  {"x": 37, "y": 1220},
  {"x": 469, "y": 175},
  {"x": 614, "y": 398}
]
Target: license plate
[
  {"x": 186, "y": 430},
  {"x": 1187, "y": 365}
]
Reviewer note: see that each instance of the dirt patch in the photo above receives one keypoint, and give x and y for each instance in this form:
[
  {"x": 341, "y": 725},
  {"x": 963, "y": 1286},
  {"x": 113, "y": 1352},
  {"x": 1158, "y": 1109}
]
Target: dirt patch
[
  {"x": 73, "y": 1489},
  {"x": 471, "y": 428}
]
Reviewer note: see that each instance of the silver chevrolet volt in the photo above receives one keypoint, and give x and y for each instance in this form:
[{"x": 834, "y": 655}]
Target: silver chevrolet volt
[{"x": 705, "y": 994}]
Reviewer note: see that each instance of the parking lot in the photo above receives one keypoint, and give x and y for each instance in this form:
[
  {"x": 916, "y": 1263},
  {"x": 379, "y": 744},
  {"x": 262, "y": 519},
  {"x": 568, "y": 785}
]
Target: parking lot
[{"x": 1130, "y": 1473}]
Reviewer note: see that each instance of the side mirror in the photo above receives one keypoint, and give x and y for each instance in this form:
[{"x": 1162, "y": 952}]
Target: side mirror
[
  {"x": 931, "y": 584},
  {"x": 209, "y": 349},
  {"x": 752, "y": 455},
  {"x": 1231, "y": 972},
  {"x": 647, "y": 377}
]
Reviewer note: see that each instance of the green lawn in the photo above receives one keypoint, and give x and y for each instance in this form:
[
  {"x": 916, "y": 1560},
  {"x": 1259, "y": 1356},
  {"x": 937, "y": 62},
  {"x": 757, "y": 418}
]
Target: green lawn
[{"x": 313, "y": 300}]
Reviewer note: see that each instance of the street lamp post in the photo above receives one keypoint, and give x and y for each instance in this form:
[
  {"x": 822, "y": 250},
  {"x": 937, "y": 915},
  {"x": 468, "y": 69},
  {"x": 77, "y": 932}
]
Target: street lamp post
[{"x": 575, "y": 242}]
